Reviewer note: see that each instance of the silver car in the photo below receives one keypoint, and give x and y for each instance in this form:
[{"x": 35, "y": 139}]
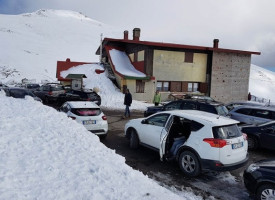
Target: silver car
[{"x": 253, "y": 114}]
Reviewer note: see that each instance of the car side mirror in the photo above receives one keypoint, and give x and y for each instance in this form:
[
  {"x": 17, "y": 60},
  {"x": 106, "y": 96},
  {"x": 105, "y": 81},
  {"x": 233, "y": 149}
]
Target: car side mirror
[{"x": 144, "y": 121}]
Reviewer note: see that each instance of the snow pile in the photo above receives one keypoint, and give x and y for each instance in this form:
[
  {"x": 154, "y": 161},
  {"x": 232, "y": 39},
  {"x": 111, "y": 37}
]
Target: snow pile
[
  {"x": 46, "y": 155},
  {"x": 111, "y": 97},
  {"x": 123, "y": 65},
  {"x": 262, "y": 83}
]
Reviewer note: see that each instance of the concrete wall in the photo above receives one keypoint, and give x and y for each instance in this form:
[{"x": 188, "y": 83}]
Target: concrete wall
[
  {"x": 148, "y": 94},
  {"x": 170, "y": 66},
  {"x": 230, "y": 76}
]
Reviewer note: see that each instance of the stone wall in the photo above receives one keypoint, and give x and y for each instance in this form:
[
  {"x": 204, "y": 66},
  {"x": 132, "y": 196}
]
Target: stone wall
[{"x": 230, "y": 76}]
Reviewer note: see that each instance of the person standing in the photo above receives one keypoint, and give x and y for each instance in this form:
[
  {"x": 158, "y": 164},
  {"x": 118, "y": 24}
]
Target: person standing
[
  {"x": 157, "y": 98},
  {"x": 127, "y": 103}
]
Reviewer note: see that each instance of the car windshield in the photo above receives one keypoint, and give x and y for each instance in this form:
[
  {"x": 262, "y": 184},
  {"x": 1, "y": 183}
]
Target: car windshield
[
  {"x": 222, "y": 110},
  {"x": 20, "y": 93},
  {"x": 226, "y": 132},
  {"x": 86, "y": 111},
  {"x": 32, "y": 86}
]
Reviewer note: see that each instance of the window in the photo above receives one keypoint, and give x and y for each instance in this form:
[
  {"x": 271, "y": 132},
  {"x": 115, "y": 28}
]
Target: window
[
  {"x": 262, "y": 114},
  {"x": 193, "y": 87},
  {"x": 226, "y": 132},
  {"x": 173, "y": 106},
  {"x": 140, "y": 86},
  {"x": 188, "y": 106},
  {"x": 158, "y": 120},
  {"x": 163, "y": 86},
  {"x": 208, "y": 108},
  {"x": 189, "y": 57},
  {"x": 245, "y": 111}
]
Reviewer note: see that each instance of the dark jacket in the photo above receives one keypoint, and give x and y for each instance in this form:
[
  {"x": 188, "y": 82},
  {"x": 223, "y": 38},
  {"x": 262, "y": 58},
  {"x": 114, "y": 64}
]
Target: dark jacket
[{"x": 128, "y": 99}]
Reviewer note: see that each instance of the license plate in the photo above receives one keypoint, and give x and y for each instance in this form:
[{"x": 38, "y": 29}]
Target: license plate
[
  {"x": 89, "y": 122},
  {"x": 237, "y": 145}
]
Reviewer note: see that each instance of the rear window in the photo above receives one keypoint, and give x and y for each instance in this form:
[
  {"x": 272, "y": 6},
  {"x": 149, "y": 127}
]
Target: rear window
[
  {"x": 32, "y": 86},
  {"x": 86, "y": 111},
  {"x": 226, "y": 132},
  {"x": 57, "y": 87},
  {"x": 92, "y": 95},
  {"x": 222, "y": 110}
]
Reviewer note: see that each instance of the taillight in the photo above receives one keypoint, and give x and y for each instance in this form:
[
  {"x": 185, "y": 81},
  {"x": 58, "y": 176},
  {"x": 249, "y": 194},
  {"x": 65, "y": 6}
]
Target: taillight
[
  {"x": 50, "y": 93},
  {"x": 217, "y": 143},
  {"x": 72, "y": 117},
  {"x": 244, "y": 136},
  {"x": 104, "y": 117}
]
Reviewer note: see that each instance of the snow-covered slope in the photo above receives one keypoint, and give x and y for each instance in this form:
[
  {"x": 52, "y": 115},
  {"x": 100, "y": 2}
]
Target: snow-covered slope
[
  {"x": 32, "y": 43},
  {"x": 46, "y": 155},
  {"x": 262, "y": 83}
]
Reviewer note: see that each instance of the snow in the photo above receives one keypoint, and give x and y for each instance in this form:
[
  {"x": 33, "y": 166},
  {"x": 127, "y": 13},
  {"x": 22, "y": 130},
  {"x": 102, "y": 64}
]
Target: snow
[
  {"x": 123, "y": 65},
  {"x": 111, "y": 97},
  {"x": 46, "y": 155}
]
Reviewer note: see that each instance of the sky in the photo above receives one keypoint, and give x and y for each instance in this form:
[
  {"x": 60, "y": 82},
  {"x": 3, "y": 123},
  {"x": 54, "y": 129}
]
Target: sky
[{"x": 238, "y": 24}]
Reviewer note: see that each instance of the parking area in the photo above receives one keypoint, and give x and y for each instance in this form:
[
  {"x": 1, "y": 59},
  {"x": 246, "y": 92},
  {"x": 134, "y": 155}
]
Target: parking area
[{"x": 224, "y": 185}]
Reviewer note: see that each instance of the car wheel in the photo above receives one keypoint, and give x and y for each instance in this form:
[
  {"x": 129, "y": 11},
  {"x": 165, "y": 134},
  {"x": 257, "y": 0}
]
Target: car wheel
[
  {"x": 134, "y": 141},
  {"x": 266, "y": 191},
  {"x": 189, "y": 164},
  {"x": 253, "y": 143}
]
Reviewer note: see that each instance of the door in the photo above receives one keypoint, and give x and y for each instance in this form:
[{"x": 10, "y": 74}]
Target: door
[
  {"x": 267, "y": 137},
  {"x": 151, "y": 131},
  {"x": 163, "y": 136}
]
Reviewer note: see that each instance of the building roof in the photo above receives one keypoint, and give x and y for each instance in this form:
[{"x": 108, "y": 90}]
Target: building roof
[{"x": 106, "y": 41}]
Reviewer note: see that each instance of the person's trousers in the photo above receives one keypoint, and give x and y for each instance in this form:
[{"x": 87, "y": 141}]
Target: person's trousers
[{"x": 127, "y": 111}]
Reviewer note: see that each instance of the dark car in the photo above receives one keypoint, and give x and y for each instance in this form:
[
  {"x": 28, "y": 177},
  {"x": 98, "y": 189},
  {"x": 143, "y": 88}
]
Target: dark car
[
  {"x": 259, "y": 179},
  {"x": 235, "y": 104},
  {"x": 262, "y": 135},
  {"x": 87, "y": 95},
  {"x": 32, "y": 86},
  {"x": 190, "y": 104},
  {"x": 20, "y": 93},
  {"x": 49, "y": 92}
]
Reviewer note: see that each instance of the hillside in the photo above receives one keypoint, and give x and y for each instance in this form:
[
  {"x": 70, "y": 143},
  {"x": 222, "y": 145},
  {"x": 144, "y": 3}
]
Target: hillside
[{"x": 34, "y": 42}]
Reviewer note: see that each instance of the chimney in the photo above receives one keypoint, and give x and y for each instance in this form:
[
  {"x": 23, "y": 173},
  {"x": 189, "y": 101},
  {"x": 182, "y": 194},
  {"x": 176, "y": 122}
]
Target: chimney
[
  {"x": 136, "y": 34},
  {"x": 125, "y": 35},
  {"x": 216, "y": 43}
]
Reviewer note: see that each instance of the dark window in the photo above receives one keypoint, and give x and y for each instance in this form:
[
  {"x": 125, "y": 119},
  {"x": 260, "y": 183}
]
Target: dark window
[
  {"x": 188, "y": 106},
  {"x": 86, "y": 111},
  {"x": 163, "y": 86},
  {"x": 245, "y": 111},
  {"x": 140, "y": 86},
  {"x": 222, "y": 110},
  {"x": 226, "y": 132},
  {"x": 173, "y": 105},
  {"x": 262, "y": 114},
  {"x": 195, "y": 126},
  {"x": 189, "y": 57},
  {"x": 208, "y": 108},
  {"x": 158, "y": 120}
]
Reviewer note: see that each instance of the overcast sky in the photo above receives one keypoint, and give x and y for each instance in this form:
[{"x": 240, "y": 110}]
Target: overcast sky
[{"x": 238, "y": 24}]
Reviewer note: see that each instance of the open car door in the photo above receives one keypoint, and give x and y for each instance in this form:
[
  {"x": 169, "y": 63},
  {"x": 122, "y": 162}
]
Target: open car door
[{"x": 163, "y": 136}]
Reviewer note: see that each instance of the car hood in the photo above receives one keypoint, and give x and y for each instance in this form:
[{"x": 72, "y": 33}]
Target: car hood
[
  {"x": 155, "y": 108},
  {"x": 266, "y": 164}
]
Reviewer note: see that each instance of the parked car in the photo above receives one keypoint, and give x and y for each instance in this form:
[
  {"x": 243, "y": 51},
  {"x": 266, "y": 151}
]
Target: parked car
[
  {"x": 262, "y": 135},
  {"x": 32, "y": 86},
  {"x": 87, "y": 95},
  {"x": 20, "y": 93},
  {"x": 212, "y": 142},
  {"x": 49, "y": 92},
  {"x": 235, "y": 104},
  {"x": 259, "y": 179},
  {"x": 89, "y": 114},
  {"x": 198, "y": 97},
  {"x": 253, "y": 114},
  {"x": 190, "y": 104}
]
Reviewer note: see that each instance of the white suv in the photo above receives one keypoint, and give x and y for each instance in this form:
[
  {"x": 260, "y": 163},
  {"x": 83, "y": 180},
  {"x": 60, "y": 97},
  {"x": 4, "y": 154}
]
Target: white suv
[{"x": 210, "y": 142}]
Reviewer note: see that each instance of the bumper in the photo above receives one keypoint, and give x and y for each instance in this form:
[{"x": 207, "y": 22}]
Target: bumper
[
  {"x": 218, "y": 166},
  {"x": 250, "y": 182}
]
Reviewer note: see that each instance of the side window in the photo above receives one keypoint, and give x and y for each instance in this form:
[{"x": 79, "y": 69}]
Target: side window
[
  {"x": 245, "y": 111},
  {"x": 188, "y": 106},
  {"x": 262, "y": 114},
  {"x": 207, "y": 108},
  {"x": 173, "y": 106},
  {"x": 195, "y": 126},
  {"x": 158, "y": 120}
]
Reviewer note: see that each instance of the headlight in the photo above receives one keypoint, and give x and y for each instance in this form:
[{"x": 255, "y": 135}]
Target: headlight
[{"x": 252, "y": 168}]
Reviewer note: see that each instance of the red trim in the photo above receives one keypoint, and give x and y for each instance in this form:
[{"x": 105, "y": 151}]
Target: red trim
[
  {"x": 139, "y": 66},
  {"x": 179, "y": 46},
  {"x": 65, "y": 65}
]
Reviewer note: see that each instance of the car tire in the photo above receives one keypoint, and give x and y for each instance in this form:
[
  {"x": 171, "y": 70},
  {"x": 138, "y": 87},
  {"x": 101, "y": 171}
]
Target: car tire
[
  {"x": 134, "y": 141},
  {"x": 253, "y": 143},
  {"x": 189, "y": 164},
  {"x": 266, "y": 191}
]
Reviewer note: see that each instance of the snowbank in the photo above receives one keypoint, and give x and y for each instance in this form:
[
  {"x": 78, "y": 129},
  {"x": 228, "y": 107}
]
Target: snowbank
[
  {"x": 45, "y": 155},
  {"x": 111, "y": 97}
]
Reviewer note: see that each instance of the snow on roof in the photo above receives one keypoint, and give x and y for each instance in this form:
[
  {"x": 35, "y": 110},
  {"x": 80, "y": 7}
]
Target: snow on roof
[
  {"x": 46, "y": 155},
  {"x": 123, "y": 65}
]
